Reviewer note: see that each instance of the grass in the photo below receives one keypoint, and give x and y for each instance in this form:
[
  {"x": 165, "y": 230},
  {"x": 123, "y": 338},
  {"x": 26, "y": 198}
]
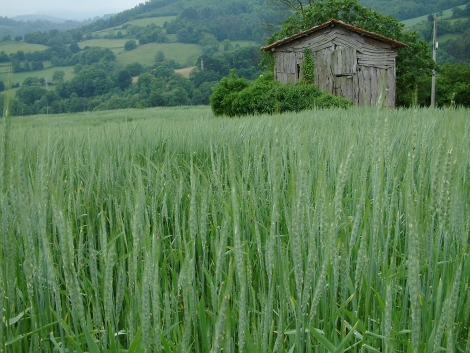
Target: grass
[
  {"x": 159, "y": 21},
  {"x": 46, "y": 73},
  {"x": 168, "y": 230},
  {"x": 12, "y": 47},
  {"x": 184, "y": 54},
  {"x": 103, "y": 43},
  {"x": 116, "y": 45}
]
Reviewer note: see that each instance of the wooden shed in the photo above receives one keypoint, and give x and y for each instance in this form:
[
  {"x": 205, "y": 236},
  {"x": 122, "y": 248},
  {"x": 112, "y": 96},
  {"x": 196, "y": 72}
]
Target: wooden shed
[{"x": 349, "y": 62}]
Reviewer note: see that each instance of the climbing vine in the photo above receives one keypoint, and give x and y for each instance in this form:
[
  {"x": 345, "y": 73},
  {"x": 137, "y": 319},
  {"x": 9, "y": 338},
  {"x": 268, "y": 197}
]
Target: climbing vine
[{"x": 308, "y": 67}]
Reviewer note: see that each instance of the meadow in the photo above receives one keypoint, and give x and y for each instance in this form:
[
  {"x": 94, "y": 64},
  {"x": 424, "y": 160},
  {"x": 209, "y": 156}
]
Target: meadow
[
  {"x": 159, "y": 21},
  {"x": 183, "y": 53},
  {"x": 170, "y": 230},
  {"x": 47, "y": 72},
  {"x": 445, "y": 15},
  {"x": 11, "y": 47}
]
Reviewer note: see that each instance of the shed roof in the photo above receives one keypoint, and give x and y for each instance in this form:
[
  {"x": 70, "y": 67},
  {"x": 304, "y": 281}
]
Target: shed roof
[{"x": 332, "y": 23}]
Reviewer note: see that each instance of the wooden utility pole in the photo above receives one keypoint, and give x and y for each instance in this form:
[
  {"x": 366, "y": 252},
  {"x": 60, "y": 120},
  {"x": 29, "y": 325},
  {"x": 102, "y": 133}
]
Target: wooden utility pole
[{"x": 434, "y": 48}]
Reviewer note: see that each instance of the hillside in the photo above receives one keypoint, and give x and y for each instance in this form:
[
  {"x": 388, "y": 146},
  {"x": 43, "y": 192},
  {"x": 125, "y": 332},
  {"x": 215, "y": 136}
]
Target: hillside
[
  {"x": 404, "y": 10},
  {"x": 453, "y": 33},
  {"x": 94, "y": 66},
  {"x": 26, "y": 24}
]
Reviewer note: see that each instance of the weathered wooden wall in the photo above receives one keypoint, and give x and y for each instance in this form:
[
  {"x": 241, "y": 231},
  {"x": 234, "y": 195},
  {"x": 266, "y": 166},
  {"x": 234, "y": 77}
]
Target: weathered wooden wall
[{"x": 347, "y": 64}]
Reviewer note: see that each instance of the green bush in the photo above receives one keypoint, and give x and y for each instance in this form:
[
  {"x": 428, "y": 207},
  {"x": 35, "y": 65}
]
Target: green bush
[
  {"x": 225, "y": 92},
  {"x": 235, "y": 97}
]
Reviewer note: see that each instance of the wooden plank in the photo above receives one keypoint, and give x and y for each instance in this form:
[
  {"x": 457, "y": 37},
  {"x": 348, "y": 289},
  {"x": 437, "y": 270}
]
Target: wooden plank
[
  {"x": 392, "y": 90},
  {"x": 355, "y": 88},
  {"x": 361, "y": 89},
  {"x": 347, "y": 43},
  {"x": 367, "y": 86},
  {"x": 299, "y": 58},
  {"x": 373, "y": 86}
]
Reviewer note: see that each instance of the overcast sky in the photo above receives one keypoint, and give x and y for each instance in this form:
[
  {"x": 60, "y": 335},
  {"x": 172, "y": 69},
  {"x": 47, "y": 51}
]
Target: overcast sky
[{"x": 68, "y": 9}]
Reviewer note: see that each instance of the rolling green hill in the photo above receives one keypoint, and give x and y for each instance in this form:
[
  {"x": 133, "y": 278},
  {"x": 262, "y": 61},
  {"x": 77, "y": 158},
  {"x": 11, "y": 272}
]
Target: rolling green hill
[
  {"x": 446, "y": 14},
  {"x": 453, "y": 35},
  {"x": 46, "y": 73}
]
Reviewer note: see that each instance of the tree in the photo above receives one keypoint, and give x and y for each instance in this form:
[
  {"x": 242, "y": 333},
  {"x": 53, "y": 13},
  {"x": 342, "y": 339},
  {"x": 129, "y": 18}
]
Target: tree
[
  {"x": 18, "y": 38},
  {"x": 135, "y": 69},
  {"x": 29, "y": 94},
  {"x": 130, "y": 45},
  {"x": 58, "y": 76},
  {"x": 37, "y": 65},
  {"x": 74, "y": 48},
  {"x": 413, "y": 62},
  {"x": 453, "y": 85},
  {"x": 160, "y": 56},
  {"x": 2, "y": 86},
  {"x": 123, "y": 79}
]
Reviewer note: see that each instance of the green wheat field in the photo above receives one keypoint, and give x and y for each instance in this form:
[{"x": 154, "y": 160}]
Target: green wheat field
[{"x": 170, "y": 230}]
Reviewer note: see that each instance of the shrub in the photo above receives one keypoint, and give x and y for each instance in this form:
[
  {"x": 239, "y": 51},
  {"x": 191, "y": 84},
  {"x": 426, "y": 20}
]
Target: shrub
[
  {"x": 235, "y": 97},
  {"x": 130, "y": 45},
  {"x": 225, "y": 92}
]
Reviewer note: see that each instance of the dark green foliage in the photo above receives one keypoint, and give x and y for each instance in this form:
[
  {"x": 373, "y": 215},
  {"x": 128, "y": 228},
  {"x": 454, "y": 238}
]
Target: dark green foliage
[
  {"x": 225, "y": 92},
  {"x": 135, "y": 69},
  {"x": 58, "y": 76},
  {"x": 93, "y": 55},
  {"x": 29, "y": 94},
  {"x": 74, "y": 48},
  {"x": 160, "y": 56},
  {"x": 2, "y": 86},
  {"x": 308, "y": 66},
  {"x": 4, "y": 58},
  {"x": 460, "y": 48},
  {"x": 453, "y": 85},
  {"x": 123, "y": 79},
  {"x": 37, "y": 65},
  {"x": 130, "y": 45},
  {"x": 34, "y": 81},
  {"x": 233, "y": 97}
]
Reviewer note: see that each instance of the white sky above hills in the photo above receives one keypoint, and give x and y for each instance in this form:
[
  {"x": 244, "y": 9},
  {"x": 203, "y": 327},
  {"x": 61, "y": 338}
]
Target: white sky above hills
[{"x": 66, "y": 9}]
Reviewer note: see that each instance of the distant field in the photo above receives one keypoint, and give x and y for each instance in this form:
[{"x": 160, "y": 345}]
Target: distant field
[
  {"x": 103, "y": 43},
  {"x": 12, "y": 47},
  {"x": 184, "y": 54},
  {"x": 47, "y": 73},
  {"x": 454, "y": 20},
  {"x": 108, "y": 31},
  {"x": 186, "y": 71},
  {"x": 159, "y": 21},
  {"x": 412, "y": 21}
]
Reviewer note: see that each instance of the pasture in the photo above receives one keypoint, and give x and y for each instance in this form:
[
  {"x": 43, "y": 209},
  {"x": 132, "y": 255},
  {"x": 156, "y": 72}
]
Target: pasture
[
  {"x": 46, "y": 73},
  {"x": 170, "y": 230},
  {"x": 116, "y": 45},
  {"x": 159, "y": 21},
  {"x": 446, "y": 14},
  {"x": 182, "y": 53},
  {"x": 11, "y": 47}
]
